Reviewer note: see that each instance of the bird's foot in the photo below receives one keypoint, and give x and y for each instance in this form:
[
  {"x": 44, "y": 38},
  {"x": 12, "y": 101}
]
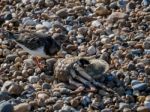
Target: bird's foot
[{"x": 38, "y": 63}]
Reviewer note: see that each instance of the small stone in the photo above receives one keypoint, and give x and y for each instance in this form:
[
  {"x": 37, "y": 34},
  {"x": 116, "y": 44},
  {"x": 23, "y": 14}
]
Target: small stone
[
  {"x": 46, "y": 86},
  {"x": 142, "y": 109},
  {"x": 6, "y": 107},
  {"x": 123, "y": 105},
  {"x": 58, "y": 105},
  {"x": 40, "y": 27},
  {"x": 22, "y": 107},
  {"x": 15, "y": 89},
  {"x": 1, "y": 52},
  {"x": 147, "y": 102},
  {"x": 11, "y": 57},
  {"x": 127, "y": 110},
  {"x": 75, "y": 102},
  {"x": 28, "y": 21},
  {"x": 102, "y": 11},
  {"x": 28, "y": 63},
  {"x": 106, "y": 110},
  {"x": 96, "y": 23},
  {"x": 91, "y": 50},
  {"x": 4, "y": 96},
  {"x": 141, "y": 99},
  {"x": 33, "y": 79},
  {"x": 146, "y": 45},
  {"x": 116, "y": 15},
  {"x": 6, "y": 85},
  {"x": 47, "y": 24},
  {"x": 105, "y": 40},
  {"x": 42, "y": 96},
  {"x": 8, "y": 16},
  {"x": 67, "y": 108},
  {"x": 85, "y": 100},
  {"x": 25, "y": 1},
  {"x": 6, "y": 52},
  {"x": 137, "y": 85},
  {"x": 62, "y": 13}
]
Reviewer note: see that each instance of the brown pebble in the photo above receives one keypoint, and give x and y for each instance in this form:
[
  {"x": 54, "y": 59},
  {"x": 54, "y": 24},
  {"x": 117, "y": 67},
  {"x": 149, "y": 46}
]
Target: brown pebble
[{"x": 22, "y": 107}]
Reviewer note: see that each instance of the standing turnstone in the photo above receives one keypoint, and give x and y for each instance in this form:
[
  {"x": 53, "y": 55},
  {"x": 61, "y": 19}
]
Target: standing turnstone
[{"x": 36, "y": 44}]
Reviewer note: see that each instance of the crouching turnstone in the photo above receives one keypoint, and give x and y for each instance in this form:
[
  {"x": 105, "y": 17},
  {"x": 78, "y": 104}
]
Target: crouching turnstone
[{"x": 36, "y": 44}]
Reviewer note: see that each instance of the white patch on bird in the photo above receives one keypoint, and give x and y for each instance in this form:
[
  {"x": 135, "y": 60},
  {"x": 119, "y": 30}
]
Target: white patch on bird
[{"x": 37, "y": 52}]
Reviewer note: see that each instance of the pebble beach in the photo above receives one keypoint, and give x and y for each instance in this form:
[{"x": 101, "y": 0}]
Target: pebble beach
[{"x": 117, "y": 31}]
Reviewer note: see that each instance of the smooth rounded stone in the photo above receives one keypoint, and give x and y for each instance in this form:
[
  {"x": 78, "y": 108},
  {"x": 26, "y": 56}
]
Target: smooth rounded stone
[
  {"x": 15, "y": 89},
  {"x": 1, "y": 52},
  {"x": 33, "y": 79},
  {"x": 71, "y": 47},
  {"x": 28, "y": 63},
  {"x": 105, "y": 40},
  {"x": 6, "y": 52},
  {"x": 131, "y": 66},
  {"x": 39, "y": 27},
  {"x": 106, "y": 110},
  {"x": 146, "y": 45},
  {"x": 137, "y": 85},
  {"x": 46, "y": 86},
  {"x": 25, "y": 1},
  {"x": 27, "y": 21},
  {"x": 62, "y": 13},
  {"x": 102, "y": 11},
  {"x": 22, "y": 107},
  {"x": 103, "y": 93},
  {"x": 123, "y": 105},
  {"x": 49, "y": 3},
  {"x": 11, "y": 57},
  {"x": 116, "y": 15},
  {"x": 147, "y": 102},
  {"x": 113, "y": 5},
  {"x": 56, "y": 94},
  {"x": 51, "y": 61},
  {"x": 142, "y": 109},
  {"x": 67, "y": 108},
  {"x": 147, "y": 51},
  {"x": 4, "y": 96},
  {"x": 6, "y": 107},
  {"x": 127, "y": 110},
  {"x": 6, "y": 85},
  {"x": 58, "y": 105},
  {"x": 64, "y": 91},
  {"x": 22, "y": 52},
  {"x": 83, "y": 30},
  {"x": 8, "y": 16},
  {"x": 75, "y": 102},
  {"x": 146, "y": 2},
  {"x": 85, "y": 101},
  {"x": 96, "y": 23},
  {"x": 42, "y": 95},
  {"x": 47, "y": 24},
  {"x": 147, "y": 70},
  {"x": 90, "y": 2},
  {"x": 91, "y": 50},
  {"x": 51, "y": 100}
]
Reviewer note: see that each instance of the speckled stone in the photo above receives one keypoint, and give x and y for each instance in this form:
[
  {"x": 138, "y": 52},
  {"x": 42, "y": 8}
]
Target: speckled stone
[{"x": 6, "y": 107}]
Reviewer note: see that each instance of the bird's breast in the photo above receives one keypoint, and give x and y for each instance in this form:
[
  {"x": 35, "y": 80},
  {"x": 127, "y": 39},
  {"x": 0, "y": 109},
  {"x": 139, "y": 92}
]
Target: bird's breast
[{"x": 36, "y": 52}]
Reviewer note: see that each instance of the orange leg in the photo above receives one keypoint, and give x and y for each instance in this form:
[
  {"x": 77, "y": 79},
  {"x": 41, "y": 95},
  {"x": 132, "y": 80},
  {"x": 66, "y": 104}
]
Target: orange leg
[{"x": 38, "y": 63}]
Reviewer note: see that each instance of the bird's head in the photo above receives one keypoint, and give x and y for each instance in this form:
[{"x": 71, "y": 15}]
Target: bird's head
[{"x": 83, "y": 62}]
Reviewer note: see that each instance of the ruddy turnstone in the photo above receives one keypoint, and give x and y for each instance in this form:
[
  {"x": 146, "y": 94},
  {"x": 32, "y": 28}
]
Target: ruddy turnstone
[{"x": 36, "y": 44}]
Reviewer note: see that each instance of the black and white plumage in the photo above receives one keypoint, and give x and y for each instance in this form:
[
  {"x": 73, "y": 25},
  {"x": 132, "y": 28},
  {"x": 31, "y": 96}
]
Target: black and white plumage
[{"x": 36, "y": 44}]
